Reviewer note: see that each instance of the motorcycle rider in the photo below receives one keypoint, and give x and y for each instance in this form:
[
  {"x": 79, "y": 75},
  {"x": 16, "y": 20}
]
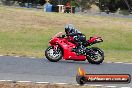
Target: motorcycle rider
[{"x": 78, "y": 37}]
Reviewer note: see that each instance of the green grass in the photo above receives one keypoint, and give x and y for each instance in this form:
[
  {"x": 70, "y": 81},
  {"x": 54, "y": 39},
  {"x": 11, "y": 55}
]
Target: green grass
[{"x": 26, "y": 32}]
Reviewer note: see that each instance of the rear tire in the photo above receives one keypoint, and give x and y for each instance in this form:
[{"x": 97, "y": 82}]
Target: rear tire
[
  {"x": 91, "y": 59},
  {"x": 51, "y": 57}
]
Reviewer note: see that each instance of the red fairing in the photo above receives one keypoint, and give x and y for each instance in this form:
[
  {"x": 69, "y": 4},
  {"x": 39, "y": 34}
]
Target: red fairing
[
  {"x": 92, "y": 39},
  {"x": 67, "y": 49}
]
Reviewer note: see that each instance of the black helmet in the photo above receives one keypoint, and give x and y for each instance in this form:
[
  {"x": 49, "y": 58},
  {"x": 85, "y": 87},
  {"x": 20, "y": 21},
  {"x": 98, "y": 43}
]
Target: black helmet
[{"x": 69, "y": 28}]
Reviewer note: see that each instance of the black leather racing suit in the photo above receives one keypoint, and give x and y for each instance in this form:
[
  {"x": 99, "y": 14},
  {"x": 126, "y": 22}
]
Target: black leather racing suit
[{"x": 79, "y": 39}]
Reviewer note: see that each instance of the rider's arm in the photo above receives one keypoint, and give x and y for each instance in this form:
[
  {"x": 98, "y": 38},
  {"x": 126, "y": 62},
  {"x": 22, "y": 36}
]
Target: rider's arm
[{"x": 74, "y": 34}]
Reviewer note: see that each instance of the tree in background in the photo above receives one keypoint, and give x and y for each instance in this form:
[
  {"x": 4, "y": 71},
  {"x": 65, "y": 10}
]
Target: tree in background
[
  {"x": 86, "y": 4},
  {"x": 115, "y": 5},
  {"x": 58, "y": 2},
  {"x": 8, "y": 2},
  {"x": 74, "y": 3},
  {"x": 107, "y": 5}
]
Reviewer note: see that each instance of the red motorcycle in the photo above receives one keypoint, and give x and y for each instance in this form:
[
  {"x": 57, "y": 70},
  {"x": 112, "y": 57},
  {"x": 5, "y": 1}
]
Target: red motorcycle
[{"x": 61, "y": 47}]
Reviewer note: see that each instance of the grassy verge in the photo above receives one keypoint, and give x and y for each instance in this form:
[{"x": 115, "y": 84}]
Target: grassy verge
[
  {"x": 33, "y": 85},
  {"x": 27, "y": 32}
]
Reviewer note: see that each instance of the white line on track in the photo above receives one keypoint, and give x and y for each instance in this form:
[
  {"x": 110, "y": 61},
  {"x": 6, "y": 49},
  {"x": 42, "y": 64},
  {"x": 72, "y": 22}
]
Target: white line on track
[
  {"x": 109, "y": 62},
  {"x": 111, "y": 86},
  {"x": 96, "y": 85},
  {"x": 32, "y": 57},
  {"x": 61, "y": 83},
  {"x": 1, "y": 55},
  {"x": 42, "y": 82},
  {"x": 118, "y": 62},
  {"x": 24, "y": 81},
  {"x": 16, "y": 56},
  {"x": 6, "y": 80}
]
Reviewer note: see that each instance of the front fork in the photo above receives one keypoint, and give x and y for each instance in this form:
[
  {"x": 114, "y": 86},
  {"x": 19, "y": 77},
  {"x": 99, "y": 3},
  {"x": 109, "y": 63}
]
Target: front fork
[{"x": 55, "y": 49}]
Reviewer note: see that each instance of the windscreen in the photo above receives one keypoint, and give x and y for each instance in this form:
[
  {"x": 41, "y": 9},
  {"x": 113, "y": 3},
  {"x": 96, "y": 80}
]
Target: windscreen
[{"x": 57, "y": 35}]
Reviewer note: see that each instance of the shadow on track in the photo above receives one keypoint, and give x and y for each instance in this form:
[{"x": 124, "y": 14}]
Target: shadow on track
[{"x": 72, "y": 62}]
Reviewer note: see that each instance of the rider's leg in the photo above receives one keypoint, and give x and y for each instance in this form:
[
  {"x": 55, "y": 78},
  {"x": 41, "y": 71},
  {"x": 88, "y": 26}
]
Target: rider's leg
[{"x": 79, "y": 45}]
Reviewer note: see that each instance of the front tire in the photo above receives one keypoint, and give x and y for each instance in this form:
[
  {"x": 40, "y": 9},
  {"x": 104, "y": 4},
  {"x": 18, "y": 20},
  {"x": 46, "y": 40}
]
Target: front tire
[
  {"x": 51, "y": 55},
  {"x": 97, "y": 58}
]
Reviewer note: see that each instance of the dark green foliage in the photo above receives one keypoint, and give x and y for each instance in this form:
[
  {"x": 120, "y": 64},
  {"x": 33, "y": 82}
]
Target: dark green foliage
[
  {"x": 114, "y": 5},
  {"x": 59, "y": 2},
  {"x": 86, "y": 4},
  {"x": 8, "y": 2},
  {"x": 104, "y": 5}
]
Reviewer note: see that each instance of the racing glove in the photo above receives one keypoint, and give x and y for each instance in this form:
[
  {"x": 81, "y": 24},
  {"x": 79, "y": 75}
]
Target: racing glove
[{"x": 64, "y": 35}]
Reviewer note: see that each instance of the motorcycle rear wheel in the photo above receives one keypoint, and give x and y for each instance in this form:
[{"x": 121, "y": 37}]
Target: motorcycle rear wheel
[
  {"x": 96, "y": 59},
  {"x": 52, "y": 56}
]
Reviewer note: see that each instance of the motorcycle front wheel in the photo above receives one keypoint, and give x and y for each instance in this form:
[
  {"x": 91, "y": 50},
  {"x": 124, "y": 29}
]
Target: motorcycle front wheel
[
  {"x": 53, "y": 55},
  {"x": 96, "y": 56}
]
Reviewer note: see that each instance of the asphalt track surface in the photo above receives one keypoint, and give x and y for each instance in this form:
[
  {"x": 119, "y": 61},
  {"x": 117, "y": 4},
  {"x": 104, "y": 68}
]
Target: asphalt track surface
[{"x": 41, "y": 70}]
